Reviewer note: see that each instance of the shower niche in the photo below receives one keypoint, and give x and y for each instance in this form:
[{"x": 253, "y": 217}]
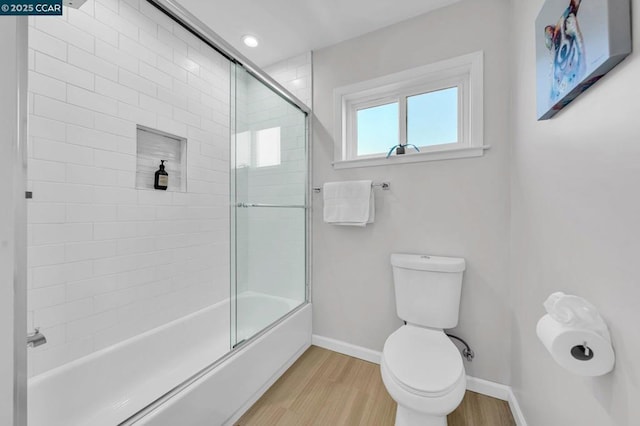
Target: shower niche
[{"x": 155, "y": 146}]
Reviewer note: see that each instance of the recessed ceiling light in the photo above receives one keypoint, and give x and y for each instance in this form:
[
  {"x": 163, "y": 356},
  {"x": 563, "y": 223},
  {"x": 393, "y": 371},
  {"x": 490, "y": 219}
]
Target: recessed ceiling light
[{"x": 250, "y": 40}]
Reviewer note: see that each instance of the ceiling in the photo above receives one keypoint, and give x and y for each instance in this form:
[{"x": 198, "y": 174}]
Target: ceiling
[{"x": 286, "y": 28}]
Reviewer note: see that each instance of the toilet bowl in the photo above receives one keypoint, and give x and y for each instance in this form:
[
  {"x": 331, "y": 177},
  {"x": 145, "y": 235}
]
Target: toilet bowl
[
  {"x": 423, "y": 372},
  {"x": 420, "y": 366}
]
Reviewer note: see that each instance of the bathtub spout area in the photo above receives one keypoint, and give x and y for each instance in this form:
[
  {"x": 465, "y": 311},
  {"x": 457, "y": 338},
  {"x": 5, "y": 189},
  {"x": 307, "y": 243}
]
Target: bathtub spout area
[{"x": 36, "y": 339}]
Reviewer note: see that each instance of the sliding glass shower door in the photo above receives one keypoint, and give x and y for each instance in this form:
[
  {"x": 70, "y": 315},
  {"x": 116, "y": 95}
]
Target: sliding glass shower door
[{"x": 269, "y": 192}]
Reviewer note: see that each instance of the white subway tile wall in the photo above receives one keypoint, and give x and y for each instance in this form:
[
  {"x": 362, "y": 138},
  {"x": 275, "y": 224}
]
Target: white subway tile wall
[
  {"x": 108, "y": 261},
  {"x": 295, "y": 74}
]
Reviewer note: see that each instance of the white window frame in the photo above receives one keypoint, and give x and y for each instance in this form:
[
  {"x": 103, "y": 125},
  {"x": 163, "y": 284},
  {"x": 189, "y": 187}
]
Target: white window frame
[{"x": 464, "y": 72}]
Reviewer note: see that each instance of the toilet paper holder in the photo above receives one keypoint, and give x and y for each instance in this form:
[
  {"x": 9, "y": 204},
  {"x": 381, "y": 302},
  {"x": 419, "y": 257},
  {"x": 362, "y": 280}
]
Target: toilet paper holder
[
  {"x": 582, "y": 352},
  {"x": 576, "y": 336}
]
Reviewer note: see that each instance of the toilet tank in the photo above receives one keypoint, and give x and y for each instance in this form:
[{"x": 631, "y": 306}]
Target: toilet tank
[{"x": 428, "y": 289}]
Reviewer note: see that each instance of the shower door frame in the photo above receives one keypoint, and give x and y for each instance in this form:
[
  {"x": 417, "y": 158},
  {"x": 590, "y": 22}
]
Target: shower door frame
[
  {"x": 234, "y": 205},
  {"x": 14, "y": 109}
]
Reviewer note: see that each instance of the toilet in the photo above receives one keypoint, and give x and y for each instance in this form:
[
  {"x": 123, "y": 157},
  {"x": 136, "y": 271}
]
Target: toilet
[{"x": 420, "y": 366}]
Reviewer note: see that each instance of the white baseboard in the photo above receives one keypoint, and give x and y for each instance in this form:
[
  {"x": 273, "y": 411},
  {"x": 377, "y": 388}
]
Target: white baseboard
[
  {"x": 484, "y": 387},
  {"x": 499, "y": 391},
  {"x": 518, "y": 416},
  {"x": 346, "y": 348}
]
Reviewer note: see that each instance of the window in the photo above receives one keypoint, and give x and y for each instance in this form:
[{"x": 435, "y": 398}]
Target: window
[
  {"x": 433, "y": 117},
  {"x": 377, "y": 128},
  {"x": 436, "y": 108}
]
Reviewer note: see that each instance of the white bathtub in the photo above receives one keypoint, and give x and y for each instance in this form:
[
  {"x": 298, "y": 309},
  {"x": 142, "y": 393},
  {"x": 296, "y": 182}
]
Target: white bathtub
[
  {"x": 109, "y": 386},
  {"x": 254, "y": 311}
]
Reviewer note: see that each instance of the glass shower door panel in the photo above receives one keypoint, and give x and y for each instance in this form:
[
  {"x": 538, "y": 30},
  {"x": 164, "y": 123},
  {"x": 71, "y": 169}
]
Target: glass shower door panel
[
  {"x": 270, "y": 181},
  {"x": 275, "y": 268}
]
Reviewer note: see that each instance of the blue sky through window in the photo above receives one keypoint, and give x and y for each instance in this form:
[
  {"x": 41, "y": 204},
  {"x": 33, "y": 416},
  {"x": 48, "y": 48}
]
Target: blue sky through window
[
  {"x": 377, "y": 129},
  {"x": 432, "y": 118}
]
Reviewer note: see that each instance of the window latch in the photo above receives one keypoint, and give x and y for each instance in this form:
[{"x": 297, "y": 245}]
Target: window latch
[{"x": 400, "y": 149}]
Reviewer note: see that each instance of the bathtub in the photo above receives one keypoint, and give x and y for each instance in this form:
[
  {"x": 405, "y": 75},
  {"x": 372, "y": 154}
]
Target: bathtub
[{"x": 109, "y": 387}]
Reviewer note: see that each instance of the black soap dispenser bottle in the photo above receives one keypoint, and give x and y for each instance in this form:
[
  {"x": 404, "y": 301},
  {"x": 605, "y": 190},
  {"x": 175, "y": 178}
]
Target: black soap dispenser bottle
[{"x": 162, "y": 178}]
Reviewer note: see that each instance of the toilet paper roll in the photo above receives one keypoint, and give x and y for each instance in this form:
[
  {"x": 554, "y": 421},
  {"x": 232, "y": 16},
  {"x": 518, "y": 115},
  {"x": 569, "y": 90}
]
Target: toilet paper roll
[{"x": 581, "y": 351}]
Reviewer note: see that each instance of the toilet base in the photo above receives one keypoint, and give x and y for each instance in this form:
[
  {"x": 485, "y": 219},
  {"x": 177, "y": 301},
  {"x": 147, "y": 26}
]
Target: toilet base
[{"x": 407, "y": 417}]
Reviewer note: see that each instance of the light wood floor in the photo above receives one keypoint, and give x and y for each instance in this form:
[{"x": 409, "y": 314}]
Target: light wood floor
[{"x": 325, "y": 388}]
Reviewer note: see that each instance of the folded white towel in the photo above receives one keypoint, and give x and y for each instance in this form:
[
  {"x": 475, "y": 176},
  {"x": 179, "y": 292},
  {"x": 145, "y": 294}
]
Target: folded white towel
[{"x": 349, "y": 203}]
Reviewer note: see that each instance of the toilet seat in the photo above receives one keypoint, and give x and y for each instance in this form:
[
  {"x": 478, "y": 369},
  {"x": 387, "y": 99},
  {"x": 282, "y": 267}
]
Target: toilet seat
[{"x": 423, "y": 362}]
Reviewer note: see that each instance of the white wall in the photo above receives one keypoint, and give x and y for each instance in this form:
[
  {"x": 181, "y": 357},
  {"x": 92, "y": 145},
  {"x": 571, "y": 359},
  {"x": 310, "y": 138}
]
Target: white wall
[
  {"x": 13, "y": 110},
  {"x": 108, "y": 261},
  {"x": 452, "y": 208},
  {"x": 575, "y": 228}
]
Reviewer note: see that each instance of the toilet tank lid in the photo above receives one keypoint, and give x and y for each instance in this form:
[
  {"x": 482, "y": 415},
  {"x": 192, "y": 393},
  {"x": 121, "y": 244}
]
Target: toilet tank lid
[{"x": 425, "y": 262}]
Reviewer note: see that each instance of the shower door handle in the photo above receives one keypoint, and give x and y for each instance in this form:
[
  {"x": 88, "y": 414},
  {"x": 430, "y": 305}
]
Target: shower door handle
[{"x": 280, "y": 206}]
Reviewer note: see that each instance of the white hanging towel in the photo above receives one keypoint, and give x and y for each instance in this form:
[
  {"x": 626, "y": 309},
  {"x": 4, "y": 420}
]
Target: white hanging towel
[{"x": 349, "y": 203}]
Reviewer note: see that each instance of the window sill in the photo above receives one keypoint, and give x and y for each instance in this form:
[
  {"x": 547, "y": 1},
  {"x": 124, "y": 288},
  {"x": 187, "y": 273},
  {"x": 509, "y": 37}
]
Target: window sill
[{"x": 417, "y": 157}]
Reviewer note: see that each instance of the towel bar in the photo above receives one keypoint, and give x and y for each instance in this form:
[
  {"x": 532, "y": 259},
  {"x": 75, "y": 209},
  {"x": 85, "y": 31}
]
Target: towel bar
[{"x": 384, "y": 185}]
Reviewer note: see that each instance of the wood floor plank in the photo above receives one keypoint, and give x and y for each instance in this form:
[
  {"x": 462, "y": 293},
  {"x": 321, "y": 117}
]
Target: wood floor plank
[
  {"x": 327, "y": 388},
  {"x": 296, "y": 378},
  {"x": 481, "y": 410}
]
